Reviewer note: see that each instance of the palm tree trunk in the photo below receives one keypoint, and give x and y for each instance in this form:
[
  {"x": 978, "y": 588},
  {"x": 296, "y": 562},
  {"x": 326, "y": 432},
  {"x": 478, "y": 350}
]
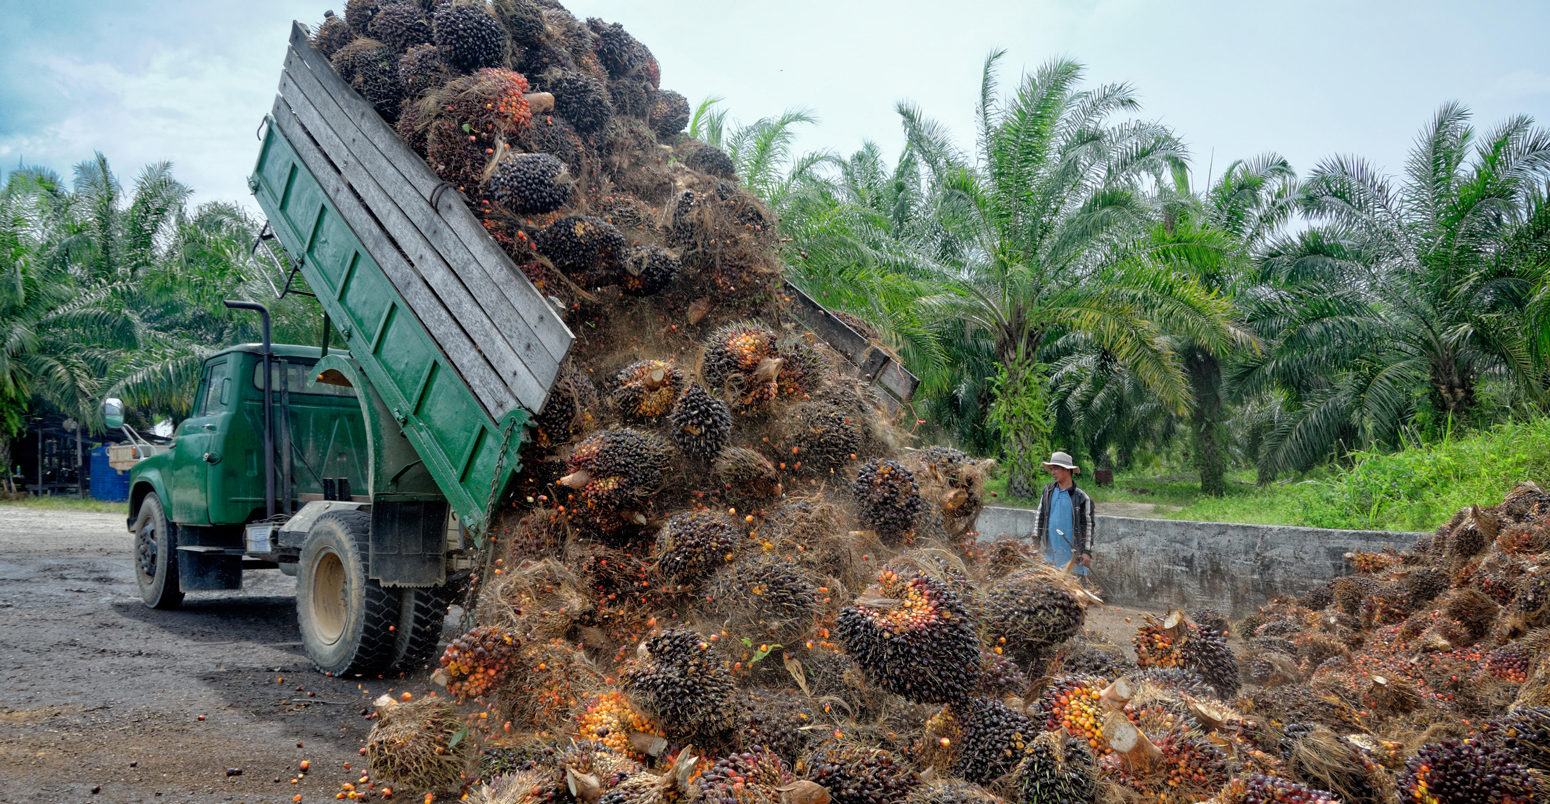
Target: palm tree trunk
[
  {"x": 5, "y": 465},
  {"x": 1021, "y": 410},
  {"x": 1205, "y": 379}
]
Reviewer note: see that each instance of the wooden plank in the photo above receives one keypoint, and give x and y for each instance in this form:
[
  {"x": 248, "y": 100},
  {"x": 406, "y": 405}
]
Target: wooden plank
[
  {"x": 872, "y": 363},
  {"x": 362, "y": 160},
  {"x": 487, "y": 386},
  {"x": 480, "y": 309},
  {"x": 552, "y": 332}
]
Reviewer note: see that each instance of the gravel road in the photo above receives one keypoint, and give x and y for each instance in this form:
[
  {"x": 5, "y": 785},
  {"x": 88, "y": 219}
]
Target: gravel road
[{"x": 102, "y": 694}]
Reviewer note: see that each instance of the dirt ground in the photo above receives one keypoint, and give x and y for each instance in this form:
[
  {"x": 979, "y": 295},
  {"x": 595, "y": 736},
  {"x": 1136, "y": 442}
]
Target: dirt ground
[
  {"x": 102, "y": 695},
  {"x": 106, "y": 700}
]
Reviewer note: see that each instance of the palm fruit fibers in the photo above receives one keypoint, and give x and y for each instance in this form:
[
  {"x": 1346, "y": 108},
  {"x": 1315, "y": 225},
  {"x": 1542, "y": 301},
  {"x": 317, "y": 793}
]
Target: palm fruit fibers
[
  {"x": 682, "y": 681},
  {"x": 887, "y": 498},
  {"x": 913, "y": 637},
  {"x": 417, "y": 743}
]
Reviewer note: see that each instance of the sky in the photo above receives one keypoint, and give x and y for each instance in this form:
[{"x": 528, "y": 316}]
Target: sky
[{"x": 144, "y": 81}]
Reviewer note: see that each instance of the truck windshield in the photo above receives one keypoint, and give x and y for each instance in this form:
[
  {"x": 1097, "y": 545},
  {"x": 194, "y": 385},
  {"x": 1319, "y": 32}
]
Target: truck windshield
[{"x": 298, "y": 377}]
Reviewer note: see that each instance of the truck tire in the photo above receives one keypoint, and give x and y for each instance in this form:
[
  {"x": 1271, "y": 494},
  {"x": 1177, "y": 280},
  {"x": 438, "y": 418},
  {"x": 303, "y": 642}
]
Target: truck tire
[
  {"x": 347, "y": 620},
  {"x": 421, "y": 613},
  {"x": 156, "y": 556}
]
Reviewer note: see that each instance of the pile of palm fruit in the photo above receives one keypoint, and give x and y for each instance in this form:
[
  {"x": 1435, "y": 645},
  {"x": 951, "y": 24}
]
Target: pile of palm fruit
[{"x": 723, "y": 575}]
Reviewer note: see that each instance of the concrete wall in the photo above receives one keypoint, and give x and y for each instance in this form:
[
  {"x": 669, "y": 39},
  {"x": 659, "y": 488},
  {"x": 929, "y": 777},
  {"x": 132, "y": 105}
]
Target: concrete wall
[{"x": 1157, "y": 563}]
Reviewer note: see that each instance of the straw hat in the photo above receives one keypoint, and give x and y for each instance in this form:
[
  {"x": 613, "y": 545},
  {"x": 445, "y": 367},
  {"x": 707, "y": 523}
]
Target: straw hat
[{"x": 1063, "y": 460}]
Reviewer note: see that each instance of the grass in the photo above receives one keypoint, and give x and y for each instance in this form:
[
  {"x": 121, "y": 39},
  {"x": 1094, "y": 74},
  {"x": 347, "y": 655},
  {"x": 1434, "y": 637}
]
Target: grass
[
  {"x": 1414, "y": 489},
  {"x": 67, "y": 504}
]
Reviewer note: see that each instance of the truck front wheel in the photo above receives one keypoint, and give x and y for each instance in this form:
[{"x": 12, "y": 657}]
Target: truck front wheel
[
  {"x": 156, "y": 556},
  {"x": 347, "y": 620}
]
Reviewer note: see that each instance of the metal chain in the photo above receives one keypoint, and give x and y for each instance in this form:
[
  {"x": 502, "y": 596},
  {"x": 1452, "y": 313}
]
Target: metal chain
[{"x": 486, "y": 550}]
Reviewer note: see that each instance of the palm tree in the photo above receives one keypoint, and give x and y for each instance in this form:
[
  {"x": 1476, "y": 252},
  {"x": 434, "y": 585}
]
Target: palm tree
[
  {"x": 60, "y": 330},
  {"x": 1215, "y": 239},
  {"x": 1408, "y": 294},
  {"x": 1040, "y": 234}
]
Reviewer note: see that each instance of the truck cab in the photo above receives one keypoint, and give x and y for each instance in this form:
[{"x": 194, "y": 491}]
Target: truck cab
[
  {"x": 279, "y": 476},
  {"x": 212, "y": 478}
]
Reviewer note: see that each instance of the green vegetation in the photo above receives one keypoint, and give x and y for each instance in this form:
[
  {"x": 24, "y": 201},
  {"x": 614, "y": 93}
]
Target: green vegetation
[
  {"x": 1069, "y": 284},
  {"x": 1413, "y": 489},
  {"x": 66, "y": 504}
]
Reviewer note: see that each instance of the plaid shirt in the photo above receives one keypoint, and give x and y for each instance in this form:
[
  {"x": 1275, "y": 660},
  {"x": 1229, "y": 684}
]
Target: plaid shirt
[{"x": 1083, "y": 521}]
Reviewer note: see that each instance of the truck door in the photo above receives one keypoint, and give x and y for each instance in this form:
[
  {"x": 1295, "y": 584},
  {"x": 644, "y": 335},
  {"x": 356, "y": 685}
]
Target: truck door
[{"x": 195, "y": 444}]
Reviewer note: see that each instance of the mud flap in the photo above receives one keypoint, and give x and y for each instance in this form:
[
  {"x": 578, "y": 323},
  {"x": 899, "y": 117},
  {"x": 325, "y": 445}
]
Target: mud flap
[{"x": 409, "y": 543}]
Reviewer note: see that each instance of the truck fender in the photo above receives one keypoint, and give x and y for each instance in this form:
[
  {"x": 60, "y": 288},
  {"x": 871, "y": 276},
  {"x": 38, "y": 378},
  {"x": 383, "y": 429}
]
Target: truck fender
[
  {"x": 294, "y": 532},
  {"x": 146, "y": 482}
]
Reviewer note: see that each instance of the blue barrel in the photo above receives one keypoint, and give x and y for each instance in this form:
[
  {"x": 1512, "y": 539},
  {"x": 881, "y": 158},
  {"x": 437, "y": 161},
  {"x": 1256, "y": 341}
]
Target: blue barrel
[{"x": 107, "y": 484}]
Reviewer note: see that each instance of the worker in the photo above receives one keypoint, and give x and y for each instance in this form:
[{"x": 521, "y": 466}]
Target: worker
[{"x": 1066, "y": 522}]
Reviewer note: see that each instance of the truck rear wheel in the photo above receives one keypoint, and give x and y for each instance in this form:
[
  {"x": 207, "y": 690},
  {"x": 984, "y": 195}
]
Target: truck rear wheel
[
  {"x": 347, "y": 620},
  {"x": 421, "y": 613},
  {"x": 156, "y": 556}
]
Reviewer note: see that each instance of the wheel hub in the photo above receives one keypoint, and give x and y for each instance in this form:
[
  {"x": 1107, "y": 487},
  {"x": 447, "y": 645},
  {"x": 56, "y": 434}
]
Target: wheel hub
[
  {"x": 330, "y": 590},
  {"x": 145, "y": 550}
]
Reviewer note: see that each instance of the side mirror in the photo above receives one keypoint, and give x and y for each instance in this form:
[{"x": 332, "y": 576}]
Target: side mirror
[{"x": 113, "y": 412}]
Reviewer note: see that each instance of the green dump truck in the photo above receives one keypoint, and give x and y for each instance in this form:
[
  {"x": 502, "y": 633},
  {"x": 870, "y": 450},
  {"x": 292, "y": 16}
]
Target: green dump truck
[{"x": 366, "y": 472}]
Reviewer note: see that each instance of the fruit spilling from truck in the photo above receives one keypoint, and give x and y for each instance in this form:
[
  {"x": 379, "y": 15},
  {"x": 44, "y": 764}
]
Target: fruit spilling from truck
[{"x": 564, "y": 387}]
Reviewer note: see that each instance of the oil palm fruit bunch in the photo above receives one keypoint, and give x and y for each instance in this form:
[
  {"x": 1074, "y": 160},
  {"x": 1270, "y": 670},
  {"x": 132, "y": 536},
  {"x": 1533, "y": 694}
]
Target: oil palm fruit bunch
[
  {"x": 712, "y": 161},
  {"x": 1264, "y": 789},
  {"x": 701, "y": 424},
  {"x": 490, "y": 106},
  {"x": 1465, "y": 772},
  {"x": 1157, "y": 641},
  {"x": 1323, "y": 760},
  {"x": 417, "y": 744},
  {"x": 1189, "y": 768},
  {"x": 913, "y": 637},
  {"x": 753, "y": 776},
  {"x": 371, "y": 68},
  {"x": 994, "y": 737},
  {"x": 820, "y": 438},
  {"x": 522, "y": 787},
  {"x": 648, "y": 270},
  {"x": 359, "y": 14},
  {"x": 646, "y": 390},
  {"x": 469, "y": 36},
  {"x": 334, "y": 33},
  {"x": 609, "y": 720},
  {"x": 530, "y": 183},
  {"x": 859, "y": 774},
  {"x": 669, "y": 114},
  {"x": 523, "y": 20},
  {"x": 778, "y": 721},
  {"x": 614, "y": 472},
  {"x": 421, "y": 68},
  {"x": 622, "y": 55},
  {"x": 591, "y": 768},
  {"x": 1525, "y": 733},
  {"x": 778, "y": 597},
  {"x": 1206, "y": 653},
  {"x": 478, "y": 660},
  {"x": 670, "y": 787},
  {"x": 1177, "y": 679},
  {"x": 801, "y": 369},
  {"x": 1056, "y": 769},
  {"x": 586, "y": 248},
  {"x": 1000, "y": 676},
  {"x": 1073, "y": 703},
  {"x": 682, "y": 682},
  {"x": 1096, "y": 661},
  {"x": 552, "y": 135},
  {"x": 961, "y": 494},
  {"x": 745, "y": 475},
  {"x": 743, "y": 361},
  {"x": 400, "y": 26},
  {"x": 1028, "y": 613},
  {"x": 887, "y": 498},
  {"x": 694, "y": 544},
  {"x": 580, "y": 99}
]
